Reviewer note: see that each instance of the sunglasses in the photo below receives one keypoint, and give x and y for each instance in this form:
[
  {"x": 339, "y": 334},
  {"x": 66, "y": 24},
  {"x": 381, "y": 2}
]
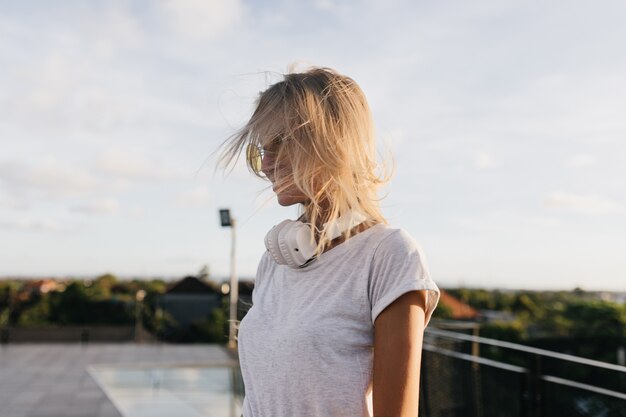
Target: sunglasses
[{"x": 255, "y": 153}]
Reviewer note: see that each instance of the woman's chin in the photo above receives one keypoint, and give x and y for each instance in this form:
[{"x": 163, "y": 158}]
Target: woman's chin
[{"x": 287, "y": 200}]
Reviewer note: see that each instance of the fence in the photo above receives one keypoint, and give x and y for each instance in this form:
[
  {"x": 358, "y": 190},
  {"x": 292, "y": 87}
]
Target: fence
[
  {"x": 522, "y": 382},
  {"x": 69, "y": 334}
]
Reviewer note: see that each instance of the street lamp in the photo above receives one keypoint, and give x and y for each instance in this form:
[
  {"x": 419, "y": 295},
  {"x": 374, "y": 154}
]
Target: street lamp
[
  {"x": 141, "y": 294},
  {"x": 228, "y": 221}
]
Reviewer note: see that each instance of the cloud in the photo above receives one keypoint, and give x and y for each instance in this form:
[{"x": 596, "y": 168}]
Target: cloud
[
  {"x": 83, "y": 74},
  {"x": 55, "y": 78},
  {"x": 137, "y": 212},
  {"x": 483, "y": 160},
  {"x": 395, "y": 137},
  {"x": 14, "y": 201},
  {"x": 589, "y": 204},
  {"x": 117, "y": 29},
  {"x": 64, "y": 93},
  {"x": 331, "y": 6},
  {"x": 28, "y": 182},
  {"x": 505, "y": 223},
  {"x": 135, "y": 167},
  {"x": 197, "y": 197},
  {"x": 201, "y": 19},
  {"x": 29, "y": 225},
  {"x": 105, "y": 206},
  {"x": 53, "y": 177},
  {"x": 582, "y": 160}
]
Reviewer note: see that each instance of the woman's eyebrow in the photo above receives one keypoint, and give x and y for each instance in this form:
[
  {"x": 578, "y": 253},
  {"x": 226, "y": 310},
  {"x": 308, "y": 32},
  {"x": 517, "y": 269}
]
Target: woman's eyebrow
[{"x": 274, "y": 142}]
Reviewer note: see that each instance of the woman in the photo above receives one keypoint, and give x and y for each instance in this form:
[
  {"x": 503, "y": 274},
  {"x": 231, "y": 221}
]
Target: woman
[{"x": 341, "y": 299}]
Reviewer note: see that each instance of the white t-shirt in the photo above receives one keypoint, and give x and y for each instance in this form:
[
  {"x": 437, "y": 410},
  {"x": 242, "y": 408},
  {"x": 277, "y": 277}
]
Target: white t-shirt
[{"x": 306, "y": 344}]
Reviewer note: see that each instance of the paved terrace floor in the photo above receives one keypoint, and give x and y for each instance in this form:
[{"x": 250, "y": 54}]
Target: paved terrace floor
[{"x": 51, "y": 380}]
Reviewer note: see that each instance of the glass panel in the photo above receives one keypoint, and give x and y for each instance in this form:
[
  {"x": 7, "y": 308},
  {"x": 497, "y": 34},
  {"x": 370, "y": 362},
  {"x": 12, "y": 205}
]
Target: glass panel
[{"x": 179, "y": 391}]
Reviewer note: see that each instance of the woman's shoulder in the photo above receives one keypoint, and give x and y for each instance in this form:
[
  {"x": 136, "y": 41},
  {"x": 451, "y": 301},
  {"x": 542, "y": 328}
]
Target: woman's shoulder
[
  {"x": 396, "y": 245},
  {"x": 390, "y": 238},
  {"x": 263, "y": 265}
]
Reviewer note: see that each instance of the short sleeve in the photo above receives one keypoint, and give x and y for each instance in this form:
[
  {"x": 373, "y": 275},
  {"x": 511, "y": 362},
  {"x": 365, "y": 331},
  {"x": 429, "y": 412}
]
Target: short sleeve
[{"x": 399, "y": 266}]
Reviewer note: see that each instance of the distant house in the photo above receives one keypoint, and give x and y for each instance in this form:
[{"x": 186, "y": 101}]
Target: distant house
[
  {"x": 42, "y": 286},
  {"x": 190, "y": 299}
]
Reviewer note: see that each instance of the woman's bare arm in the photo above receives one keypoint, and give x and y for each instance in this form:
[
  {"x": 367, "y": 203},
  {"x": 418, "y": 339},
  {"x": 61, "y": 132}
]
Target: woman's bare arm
[{"x": 398, "y": 336}]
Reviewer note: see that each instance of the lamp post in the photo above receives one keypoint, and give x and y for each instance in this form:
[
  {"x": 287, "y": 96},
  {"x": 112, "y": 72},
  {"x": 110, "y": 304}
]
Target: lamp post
[
  {"x": 228, "y": 221},
  {"x": 141, "y": 294}
]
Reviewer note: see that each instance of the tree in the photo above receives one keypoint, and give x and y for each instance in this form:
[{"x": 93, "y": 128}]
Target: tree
[
  {"x": 442, "y": 311},
  {"x": 70, "y": 306},
  {"x": 596, "y": 318},
  {"x": 102, "y": 286},
  {"x": 524, "y": 303},
  {"x": 514, "y": 331},
  {"x": 36, "y": 315},
  {"x": 204, "y": 273}
]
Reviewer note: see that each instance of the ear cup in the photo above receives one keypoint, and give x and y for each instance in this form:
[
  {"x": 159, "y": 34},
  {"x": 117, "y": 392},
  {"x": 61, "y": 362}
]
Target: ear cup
[
  {"x": 272, "y": 242},
  {"x": 289, "y": 242},
  {"x": 284, "y": 244},
  {"x": 294, "y": 242},
  {"x": 303, "y": 244}
]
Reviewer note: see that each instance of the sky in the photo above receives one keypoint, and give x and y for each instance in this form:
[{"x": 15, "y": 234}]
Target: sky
[{"x": 505, "y": 119}]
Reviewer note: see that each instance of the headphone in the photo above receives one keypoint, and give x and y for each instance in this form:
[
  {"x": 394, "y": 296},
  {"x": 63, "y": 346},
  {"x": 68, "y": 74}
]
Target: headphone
[{"x": 289, "y": 242}]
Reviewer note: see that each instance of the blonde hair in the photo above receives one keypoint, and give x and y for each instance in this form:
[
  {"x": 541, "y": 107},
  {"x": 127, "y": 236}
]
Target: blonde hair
[{"x": 323, "y": 128}]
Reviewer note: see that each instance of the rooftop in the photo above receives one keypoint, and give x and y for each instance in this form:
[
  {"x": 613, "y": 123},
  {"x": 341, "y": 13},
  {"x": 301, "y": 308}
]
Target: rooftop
[{"x": 51, "y": 380}]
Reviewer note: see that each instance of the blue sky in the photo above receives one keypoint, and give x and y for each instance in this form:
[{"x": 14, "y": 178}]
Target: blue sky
[{"x": 506, "y": 120}]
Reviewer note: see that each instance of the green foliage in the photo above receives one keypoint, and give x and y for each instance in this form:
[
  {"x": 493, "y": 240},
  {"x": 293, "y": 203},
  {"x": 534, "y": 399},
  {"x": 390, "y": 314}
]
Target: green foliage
[
  {"x": 442, "y": 311},
  {"x": 212, "y": 330},
  {"x": 484, "y": 299},
  {"x": 575, "y": 322},
  {"x": 596, "y": 318},
  {"x": 108, "y": 300},
  {"x": 102, "y": 286},
  {"x": 5, "y": 294},
  {"x": 4, "y": 316},
  {"x": 102, "y": 301},
  {"x": 158, "y": 321},
  {"x": 70, "y": 306},
  {"x": 514, "y": 331},
  {"x": 527, "y": 303},
  {"x": 155, "y": 286},
  {"x": 9, "y": 302},
  {"x": 37, "y": 314}
]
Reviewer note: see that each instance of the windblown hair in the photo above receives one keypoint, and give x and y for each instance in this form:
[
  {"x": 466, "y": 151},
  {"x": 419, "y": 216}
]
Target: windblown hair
[{"x": 320, "y": 125}]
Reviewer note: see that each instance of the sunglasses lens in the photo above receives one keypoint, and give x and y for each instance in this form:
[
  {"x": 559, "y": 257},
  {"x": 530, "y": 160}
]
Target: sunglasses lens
[{"x": 254, "y": 157}]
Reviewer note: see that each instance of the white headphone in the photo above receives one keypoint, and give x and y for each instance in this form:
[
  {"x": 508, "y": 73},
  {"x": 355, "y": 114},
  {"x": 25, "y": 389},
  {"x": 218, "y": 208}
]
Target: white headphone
[{"x": 289, "y": 242}]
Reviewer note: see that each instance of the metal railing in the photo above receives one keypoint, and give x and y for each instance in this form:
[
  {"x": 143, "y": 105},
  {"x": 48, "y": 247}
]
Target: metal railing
[{"x": 510, "y": 379}]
